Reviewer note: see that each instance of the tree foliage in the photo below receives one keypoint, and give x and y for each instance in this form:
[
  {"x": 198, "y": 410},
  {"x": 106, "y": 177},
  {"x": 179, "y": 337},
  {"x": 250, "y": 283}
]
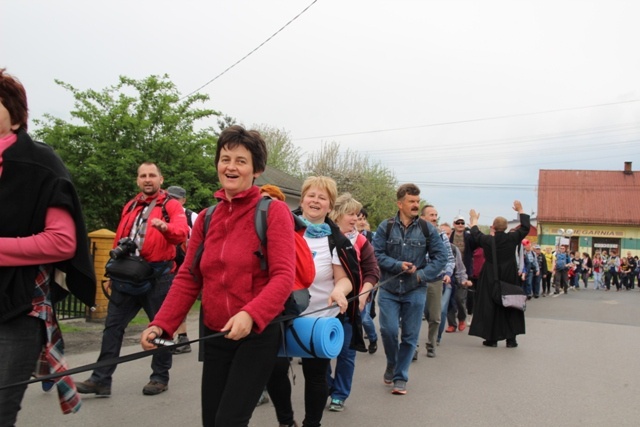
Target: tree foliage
[
  {"x": 370, "y": 183},
  {"x": 283, "y": 154},
  {"x": 113, "y": 131}
]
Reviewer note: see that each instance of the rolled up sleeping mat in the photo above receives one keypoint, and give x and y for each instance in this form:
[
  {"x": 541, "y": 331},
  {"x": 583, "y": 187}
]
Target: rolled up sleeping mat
[{"x": 313, "y": 337}]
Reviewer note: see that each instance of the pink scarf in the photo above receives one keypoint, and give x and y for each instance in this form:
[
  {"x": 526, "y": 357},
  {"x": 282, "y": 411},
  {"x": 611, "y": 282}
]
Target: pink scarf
[{"x": 6, "y": 142}]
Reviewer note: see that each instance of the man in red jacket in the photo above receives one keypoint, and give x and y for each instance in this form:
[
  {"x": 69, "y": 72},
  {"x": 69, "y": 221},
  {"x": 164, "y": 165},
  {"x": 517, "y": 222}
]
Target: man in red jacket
[{"x": 156, "y": 223}]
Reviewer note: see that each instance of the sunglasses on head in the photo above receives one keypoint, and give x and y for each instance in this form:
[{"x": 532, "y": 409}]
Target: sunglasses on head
[{"x": 459, "y": 223}]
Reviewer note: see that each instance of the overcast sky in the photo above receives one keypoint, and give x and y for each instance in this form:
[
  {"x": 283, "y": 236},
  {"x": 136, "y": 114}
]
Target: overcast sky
[{"x": 467, "y": 99}]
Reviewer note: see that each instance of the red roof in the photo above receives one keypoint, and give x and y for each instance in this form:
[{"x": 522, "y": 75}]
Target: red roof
[{"x": 589, "y": 197}]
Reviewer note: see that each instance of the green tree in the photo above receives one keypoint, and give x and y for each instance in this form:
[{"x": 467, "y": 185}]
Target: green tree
[
  {"x": 113, "y": 131},
  {"x": 370, "y": 183},
  {"x": 283, "y": 154}
]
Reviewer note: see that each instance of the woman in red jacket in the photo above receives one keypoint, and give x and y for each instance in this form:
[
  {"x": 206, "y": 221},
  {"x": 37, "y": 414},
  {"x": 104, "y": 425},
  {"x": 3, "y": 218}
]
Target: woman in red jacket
[{"x": 238, "y": 297}]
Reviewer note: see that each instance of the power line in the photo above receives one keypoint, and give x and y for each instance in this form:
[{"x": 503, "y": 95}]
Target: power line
[
  {"x": 248, "y": 54},
  {"x": 455, "y": 122}
]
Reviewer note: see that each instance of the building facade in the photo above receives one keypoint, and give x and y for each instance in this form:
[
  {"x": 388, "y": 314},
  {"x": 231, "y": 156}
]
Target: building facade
[{"x": 590, "y": 210}]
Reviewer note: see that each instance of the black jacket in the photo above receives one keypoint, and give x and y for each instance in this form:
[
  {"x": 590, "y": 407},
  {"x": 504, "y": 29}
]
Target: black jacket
[
  {"x": 470, "y": 246},
  {"x": 33, "y": 180}
]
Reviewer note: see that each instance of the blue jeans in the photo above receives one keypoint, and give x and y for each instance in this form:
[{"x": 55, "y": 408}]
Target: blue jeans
[
  {"x": 401, "y": 311},
  {"x": 367, "y": 322},
  {"x": 536, "y": 284},
  {"x": 527, "y": 284},
  {"x": 340, "y": 386},
  {"x": 21, "y": 340},
  {"x": 446, "y": 296},
  {"x": 122, "y": 309}
]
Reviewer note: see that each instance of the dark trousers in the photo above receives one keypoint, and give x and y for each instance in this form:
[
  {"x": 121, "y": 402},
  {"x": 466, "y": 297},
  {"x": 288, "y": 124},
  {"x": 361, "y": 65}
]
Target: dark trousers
[
  {"x": 316, "y": 391},
  {"x": 21, "y": 341},
  {"x": 611, "y": 277},
  {"x": 561, "y": 280},
  {"x": 122, "y": 309},
  {"x": 234, "y": 374},
  {"x": 457, "y": 306},
  {"x": 546, "y": 283}
]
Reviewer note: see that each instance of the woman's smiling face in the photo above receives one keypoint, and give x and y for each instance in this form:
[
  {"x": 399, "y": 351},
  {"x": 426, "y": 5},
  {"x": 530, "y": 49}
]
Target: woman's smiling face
[
  {"x": 316, "y": 205},
  {"x": 235, "y": 170}
]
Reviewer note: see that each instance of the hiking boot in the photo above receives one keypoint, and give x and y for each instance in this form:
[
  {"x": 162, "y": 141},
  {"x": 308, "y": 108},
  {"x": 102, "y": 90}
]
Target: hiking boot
[
  {"x": 336, "y": 405},
  {"x": 431, "y": 352},
  {"x": 388, "y": 374},
  {"x": 89, "y": 387},
  {"x": 373, "y": 346},
  {"x": 399, "y": 387},
  {"x": 153, "y": 388},
  {"x": 183, "y": 348}
]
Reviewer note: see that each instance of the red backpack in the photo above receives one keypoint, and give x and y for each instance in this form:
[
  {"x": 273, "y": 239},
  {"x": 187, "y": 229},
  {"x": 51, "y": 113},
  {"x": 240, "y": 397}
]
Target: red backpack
[{"x": 305, "y": 267}]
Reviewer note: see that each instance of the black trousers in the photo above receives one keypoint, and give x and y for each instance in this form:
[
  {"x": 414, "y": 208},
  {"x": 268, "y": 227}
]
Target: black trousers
[
  {"x": 316, "y": 391},
  {"x": 234, "y": 374}
]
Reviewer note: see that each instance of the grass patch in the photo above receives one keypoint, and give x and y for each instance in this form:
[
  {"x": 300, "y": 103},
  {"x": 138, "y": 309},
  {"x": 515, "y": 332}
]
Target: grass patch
[{"x": 68, "y": 328}]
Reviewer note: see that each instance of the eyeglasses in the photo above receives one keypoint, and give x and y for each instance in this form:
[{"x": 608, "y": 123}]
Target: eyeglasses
[{"x": 459, "y": 223}]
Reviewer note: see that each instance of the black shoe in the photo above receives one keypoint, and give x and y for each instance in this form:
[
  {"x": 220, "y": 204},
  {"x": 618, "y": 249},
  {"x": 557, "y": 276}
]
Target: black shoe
[
  {"x": 415, "y": 355},
  {"x": 373, "y": 346},
  {"x": 89, "y": 387},
  {"x": 489, "y": 343},
  {"x": 512, "y": 343}
]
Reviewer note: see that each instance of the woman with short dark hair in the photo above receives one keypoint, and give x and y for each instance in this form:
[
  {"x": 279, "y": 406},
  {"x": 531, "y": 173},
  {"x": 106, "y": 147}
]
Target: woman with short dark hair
[{"x": 240, "y": 299}]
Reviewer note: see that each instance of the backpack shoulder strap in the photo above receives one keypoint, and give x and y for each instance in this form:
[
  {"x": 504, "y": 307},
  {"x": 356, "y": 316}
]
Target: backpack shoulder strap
[
  {"x": 425, "y": 230},
  {"x": 207, "y": 221},
  {"x": 189, "y": 214},
  {"x": 260, "y": 221},
  {"x": 165, "y": 214},
  {"x": 390, "y": 223}
]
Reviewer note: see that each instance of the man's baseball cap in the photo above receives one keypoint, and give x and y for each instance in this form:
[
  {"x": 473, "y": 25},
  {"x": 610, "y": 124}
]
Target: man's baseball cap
[
  {"x": 458, "y": 218},
  {"x": 526, "y": 242},
  {"x": 177, "y": 192},
  {"x": 537, "y": 247}
]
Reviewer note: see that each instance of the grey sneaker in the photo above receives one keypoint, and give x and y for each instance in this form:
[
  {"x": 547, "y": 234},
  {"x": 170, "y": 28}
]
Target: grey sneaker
[
  {"x": 431, "y": 351},
  {"x": 183, "y": 348},
  {"x": 264, "y": 398},
  {"x": 153, "y": 388},
  {"x": 388, "y": 374},
  {"x": 89, "y": 387},
  {"x": 336, "y": 405},
  {"x": 399, "y": 387}
]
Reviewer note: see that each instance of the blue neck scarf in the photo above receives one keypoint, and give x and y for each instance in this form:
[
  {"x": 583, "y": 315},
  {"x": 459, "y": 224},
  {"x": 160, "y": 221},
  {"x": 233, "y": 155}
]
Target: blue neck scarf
[{"x": 315, "y": 231}]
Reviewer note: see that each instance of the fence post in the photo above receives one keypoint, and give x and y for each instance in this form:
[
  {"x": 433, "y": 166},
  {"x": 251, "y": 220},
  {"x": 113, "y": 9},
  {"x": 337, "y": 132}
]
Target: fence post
[{"x": 102, "y": 241}]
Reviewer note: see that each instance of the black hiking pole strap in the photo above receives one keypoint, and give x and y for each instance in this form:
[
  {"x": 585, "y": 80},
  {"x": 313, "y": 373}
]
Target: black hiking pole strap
[{"x": 147, "y": 353}]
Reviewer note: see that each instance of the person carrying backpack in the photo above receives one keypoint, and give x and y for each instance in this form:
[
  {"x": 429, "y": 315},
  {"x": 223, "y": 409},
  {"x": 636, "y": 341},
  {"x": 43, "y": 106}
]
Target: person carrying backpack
[
  {"x": 345, "y": 215},
  {"x": 239, "y": 298},
  {"x": 180, "y": 194},
  {"x": 561, "y": 270},
  {"x": 337, "y": 278}
]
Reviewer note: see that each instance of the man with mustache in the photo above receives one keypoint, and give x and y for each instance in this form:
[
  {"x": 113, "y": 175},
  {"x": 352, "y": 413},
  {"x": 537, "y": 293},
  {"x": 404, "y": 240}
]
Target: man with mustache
[{"x": 401, "y": 246}]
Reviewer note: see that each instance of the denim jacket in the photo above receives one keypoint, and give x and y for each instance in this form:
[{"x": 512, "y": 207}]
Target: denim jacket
[{"x": 408, "y": 245}]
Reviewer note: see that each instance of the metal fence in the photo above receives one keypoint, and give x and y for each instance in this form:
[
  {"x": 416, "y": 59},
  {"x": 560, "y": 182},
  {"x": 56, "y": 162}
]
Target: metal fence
[{"x": 71, "y": 307}]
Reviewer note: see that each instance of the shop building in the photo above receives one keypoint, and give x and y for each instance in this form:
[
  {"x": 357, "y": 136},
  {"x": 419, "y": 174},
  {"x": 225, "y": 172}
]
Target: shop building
[{"x": 590, "y": 210}]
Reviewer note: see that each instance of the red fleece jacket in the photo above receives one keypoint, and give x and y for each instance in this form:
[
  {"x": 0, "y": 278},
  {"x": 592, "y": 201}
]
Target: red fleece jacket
[{"x": 232, "y": 280}]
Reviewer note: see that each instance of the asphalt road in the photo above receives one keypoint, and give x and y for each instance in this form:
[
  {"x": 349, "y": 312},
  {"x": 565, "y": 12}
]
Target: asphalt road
[{"x": 576, "y": 366}]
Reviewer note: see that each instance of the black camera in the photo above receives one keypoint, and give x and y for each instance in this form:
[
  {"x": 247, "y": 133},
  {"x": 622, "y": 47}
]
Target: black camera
[{"x": 126, "y": 246}]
